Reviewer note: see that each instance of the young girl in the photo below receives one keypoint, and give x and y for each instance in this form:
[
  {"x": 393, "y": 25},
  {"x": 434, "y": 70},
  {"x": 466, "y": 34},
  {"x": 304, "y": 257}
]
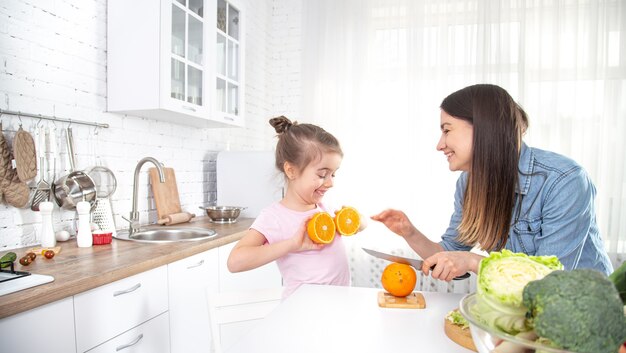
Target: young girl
[
  {"x": 308, "y": 156},
  {"x": 509, "y": 195}
]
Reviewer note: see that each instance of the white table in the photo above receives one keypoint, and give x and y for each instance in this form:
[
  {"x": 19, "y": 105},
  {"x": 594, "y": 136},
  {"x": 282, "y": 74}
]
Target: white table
[{"x": 348, "y": 319}]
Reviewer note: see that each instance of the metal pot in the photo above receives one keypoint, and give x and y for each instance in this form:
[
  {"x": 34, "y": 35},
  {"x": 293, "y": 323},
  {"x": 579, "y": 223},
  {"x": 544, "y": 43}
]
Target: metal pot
[
  {"x": 73, "y": 188},
  {"x": 76, "y": 186},
  {"x": 223, "y": 214}
]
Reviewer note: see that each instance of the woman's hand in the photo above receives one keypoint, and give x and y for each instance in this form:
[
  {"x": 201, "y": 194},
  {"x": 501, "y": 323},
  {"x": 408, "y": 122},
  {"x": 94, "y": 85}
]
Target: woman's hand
[
  {"x": 396, "y": 221},
  {"x": 302, "y": 242},
  {"x": 451, "y": 264}
]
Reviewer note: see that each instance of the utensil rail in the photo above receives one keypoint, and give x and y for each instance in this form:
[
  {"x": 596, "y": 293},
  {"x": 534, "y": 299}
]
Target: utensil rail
[{"x": 54, "y": 118}]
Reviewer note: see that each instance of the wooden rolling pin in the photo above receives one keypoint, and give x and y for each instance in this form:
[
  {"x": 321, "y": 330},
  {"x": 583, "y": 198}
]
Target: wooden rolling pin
[{"x": 176, "y": 218}]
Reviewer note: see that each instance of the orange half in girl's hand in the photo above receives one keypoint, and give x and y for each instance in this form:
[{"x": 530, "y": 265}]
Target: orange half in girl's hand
[
  {"x": 321, "y": 228},
  {"x": 347, "y": 221}
]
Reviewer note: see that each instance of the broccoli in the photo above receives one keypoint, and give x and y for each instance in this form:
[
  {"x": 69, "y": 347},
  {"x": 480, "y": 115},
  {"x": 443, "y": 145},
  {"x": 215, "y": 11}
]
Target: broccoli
[
  {"x": 577, "y": 310},
  {"x": 619, "y": 279}
]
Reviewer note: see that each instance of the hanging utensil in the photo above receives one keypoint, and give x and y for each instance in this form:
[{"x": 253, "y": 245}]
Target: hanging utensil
[
  {"x": 42, "y": 192},
  {"x": 77, "y": 186}
]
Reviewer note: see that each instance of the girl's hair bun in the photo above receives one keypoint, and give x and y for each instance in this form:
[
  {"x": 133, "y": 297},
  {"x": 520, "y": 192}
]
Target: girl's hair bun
[{"x": 281, "y": 124}]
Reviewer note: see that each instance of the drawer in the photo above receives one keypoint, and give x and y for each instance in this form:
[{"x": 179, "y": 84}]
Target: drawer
[
  {"x": 107, "y": 311},
  {"x": 48, "y": 328},
  {"x": 149, "y": 337}
]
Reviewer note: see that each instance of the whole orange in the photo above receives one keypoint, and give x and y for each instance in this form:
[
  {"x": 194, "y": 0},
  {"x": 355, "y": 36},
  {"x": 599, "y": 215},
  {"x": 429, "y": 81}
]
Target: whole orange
[{"x": 399, "y": 279}]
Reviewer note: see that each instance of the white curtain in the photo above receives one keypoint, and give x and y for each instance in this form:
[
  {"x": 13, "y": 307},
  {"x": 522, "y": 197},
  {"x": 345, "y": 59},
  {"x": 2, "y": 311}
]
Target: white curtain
[{"x": 375, "y": 71}]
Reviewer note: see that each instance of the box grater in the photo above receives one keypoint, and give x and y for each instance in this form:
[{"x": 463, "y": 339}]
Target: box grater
[{"x": 102, "y": 215}]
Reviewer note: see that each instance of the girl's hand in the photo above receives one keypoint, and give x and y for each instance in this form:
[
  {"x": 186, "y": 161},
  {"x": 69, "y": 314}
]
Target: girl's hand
[
  {"x": 396, "y": 221},
  {"x": 450, "y": 264},
  {"x": 301, "y": 240}
]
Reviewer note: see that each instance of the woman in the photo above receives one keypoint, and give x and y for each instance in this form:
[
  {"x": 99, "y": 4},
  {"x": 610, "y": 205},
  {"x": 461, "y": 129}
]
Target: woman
[{"x": 509, "y": 195}]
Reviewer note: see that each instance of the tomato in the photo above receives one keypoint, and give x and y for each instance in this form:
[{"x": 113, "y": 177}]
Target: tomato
[
  {"x": 31, "y": 255},
  {"x": 49, "y": 254},
  {"x": 25, "y": 261}
]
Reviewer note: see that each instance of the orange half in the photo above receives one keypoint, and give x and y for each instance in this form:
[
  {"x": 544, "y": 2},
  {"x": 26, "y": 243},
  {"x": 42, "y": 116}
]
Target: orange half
[
  {"x": 321, "y": 228},
  {"x": 347, "y": 221}
]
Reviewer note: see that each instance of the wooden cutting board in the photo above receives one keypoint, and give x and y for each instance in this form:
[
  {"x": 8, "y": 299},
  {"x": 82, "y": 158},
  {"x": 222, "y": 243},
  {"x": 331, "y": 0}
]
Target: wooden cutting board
[
  {"x": 412, "y": 301},
  {"x": 165, "y": 194},
  {"x": 458, "y": 335}
]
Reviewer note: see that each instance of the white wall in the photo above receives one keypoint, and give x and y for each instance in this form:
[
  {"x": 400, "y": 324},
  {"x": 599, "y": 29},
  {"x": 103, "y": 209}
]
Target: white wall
[{"x": 53, "y": 62}]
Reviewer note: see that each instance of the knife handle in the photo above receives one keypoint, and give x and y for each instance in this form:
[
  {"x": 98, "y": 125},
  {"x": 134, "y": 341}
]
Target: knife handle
[{"x": 463, "y": 276}]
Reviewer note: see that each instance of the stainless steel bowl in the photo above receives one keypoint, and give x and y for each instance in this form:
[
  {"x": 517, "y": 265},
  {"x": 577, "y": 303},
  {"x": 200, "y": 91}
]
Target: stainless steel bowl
[
  {"x": 223, "y": 214},
  {"x": 490, "y": 340}
]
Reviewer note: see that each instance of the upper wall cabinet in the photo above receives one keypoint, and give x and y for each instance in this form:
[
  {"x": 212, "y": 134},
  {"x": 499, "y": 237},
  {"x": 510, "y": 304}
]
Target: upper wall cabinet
[{"x": 176, "y": 60}]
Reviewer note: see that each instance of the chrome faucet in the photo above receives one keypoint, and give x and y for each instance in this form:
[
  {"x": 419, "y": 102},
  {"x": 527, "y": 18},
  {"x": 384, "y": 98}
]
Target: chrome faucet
[{"x": 134, "y": 214}]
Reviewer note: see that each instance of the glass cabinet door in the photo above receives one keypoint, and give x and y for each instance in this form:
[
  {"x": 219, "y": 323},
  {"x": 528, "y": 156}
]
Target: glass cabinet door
[
  {"x": 187, "y": 52},
  {"x": 227, "y": 58}
]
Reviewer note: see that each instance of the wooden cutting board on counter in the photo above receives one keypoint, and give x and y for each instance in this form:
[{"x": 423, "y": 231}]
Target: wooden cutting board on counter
[
  {"x": 165, "y": 194},
  {"x": 412, "y": 301},
  {"x": 459, "y": 335}
]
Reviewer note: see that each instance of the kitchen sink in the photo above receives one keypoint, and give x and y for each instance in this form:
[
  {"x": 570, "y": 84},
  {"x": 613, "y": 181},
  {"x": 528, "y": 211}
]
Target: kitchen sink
[{"x": 166, "y": 235}]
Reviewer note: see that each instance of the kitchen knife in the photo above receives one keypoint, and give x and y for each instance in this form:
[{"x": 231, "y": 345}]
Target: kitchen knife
[{"x": 417, "y": 264}]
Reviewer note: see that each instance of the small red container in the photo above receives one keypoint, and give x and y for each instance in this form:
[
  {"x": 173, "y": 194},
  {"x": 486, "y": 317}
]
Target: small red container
[{"x": 102, "y": 237}]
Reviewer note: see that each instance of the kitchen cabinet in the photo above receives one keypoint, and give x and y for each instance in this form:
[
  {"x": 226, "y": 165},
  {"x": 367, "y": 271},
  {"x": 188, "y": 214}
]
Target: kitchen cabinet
[
  {"x": 176, "y": 60},
  {"x": 50, "y": 328},
  {"x": 243, "y": 298},
  {"x": 145, "y": 338},
  {"x": 203, "y": 280},
  {"x": 189, "y": 281},
  {"x": 108, "y": 311},
  {"x": 229, "y": 51}
]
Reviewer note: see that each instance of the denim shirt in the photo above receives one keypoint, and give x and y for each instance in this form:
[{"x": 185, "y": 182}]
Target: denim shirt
[{"x": 556, "y": 217}]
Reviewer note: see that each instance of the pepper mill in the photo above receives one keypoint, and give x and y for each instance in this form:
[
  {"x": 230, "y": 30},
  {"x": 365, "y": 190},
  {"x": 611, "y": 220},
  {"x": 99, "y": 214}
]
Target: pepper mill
[
  {"x": 84, "y": 238},
  {"x": 48, "y": 240}
]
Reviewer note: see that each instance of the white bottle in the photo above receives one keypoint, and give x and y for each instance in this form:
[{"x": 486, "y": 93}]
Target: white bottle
[
  {"x": 48, "y": 240},
  {"x": 84, "y": 238}
]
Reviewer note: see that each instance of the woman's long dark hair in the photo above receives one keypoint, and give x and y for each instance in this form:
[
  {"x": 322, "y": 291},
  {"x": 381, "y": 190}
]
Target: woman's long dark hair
[{"x": 498, "y": 125}]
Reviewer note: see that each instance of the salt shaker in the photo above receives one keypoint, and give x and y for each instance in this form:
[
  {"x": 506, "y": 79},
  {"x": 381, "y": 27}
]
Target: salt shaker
[
  {"x": 84, "y": 238},
  {"x": 48, "y": 240}
]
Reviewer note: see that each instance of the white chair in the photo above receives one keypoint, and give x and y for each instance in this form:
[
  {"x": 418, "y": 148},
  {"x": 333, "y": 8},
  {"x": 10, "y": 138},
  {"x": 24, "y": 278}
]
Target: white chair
[{"x": 232, "y": 314}]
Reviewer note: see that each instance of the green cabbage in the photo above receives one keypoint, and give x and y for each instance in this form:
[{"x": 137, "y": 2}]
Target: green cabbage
[{"x": 500, "y": 284}]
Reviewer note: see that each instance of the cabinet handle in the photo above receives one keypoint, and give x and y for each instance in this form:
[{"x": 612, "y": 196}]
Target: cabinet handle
[
  {"x": 229, "y": 118},
  {"x": 134, "y": 342},
  {"x": 200, "y": 263},
  {"x": 132, "y": 289},
  {"x": 189, "y": 108}
]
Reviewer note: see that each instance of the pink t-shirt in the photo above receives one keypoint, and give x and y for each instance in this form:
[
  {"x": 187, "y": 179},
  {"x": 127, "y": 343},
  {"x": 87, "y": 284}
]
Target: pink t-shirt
[{"x": 326, "y": 266}]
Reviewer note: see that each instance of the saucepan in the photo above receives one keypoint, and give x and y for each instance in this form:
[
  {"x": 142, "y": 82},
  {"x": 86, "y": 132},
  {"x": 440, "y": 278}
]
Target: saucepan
[{"x": 76, "y": 186}]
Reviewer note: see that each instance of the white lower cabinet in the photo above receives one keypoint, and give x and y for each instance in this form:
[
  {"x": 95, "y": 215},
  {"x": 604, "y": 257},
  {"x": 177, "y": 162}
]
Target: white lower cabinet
[
  {"x": 149, "y": 337},
  {"x": 161, "y": 310},
  {"x": 243, "y": 299},
  {"x": 189, "y": 280},
  {"x": 110, "y": 310},
  {"x": 48, "y": 328}
]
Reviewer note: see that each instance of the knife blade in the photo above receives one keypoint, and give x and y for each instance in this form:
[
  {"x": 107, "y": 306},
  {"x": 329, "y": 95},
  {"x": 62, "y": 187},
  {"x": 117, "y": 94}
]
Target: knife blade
[{"x": 417, "y": 264}]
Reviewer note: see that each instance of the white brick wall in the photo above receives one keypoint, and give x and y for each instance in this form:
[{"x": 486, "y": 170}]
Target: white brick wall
[{"x": 53, "y": 62}]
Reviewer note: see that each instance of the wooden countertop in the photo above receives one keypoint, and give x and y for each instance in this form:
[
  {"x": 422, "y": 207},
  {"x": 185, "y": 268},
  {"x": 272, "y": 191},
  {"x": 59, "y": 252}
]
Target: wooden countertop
[{"x": 76, "y": 270}]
